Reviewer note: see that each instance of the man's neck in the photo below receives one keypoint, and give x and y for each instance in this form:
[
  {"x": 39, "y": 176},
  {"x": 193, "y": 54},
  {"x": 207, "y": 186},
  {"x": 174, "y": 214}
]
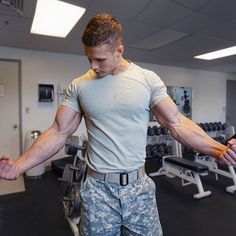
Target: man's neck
[{"x": 121, "y": 67}]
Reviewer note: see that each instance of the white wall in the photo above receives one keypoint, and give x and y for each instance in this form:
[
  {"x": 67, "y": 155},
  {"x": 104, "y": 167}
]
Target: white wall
[
  {"x": 209, "y": 88},
  {"x": 42, "y": 67}
]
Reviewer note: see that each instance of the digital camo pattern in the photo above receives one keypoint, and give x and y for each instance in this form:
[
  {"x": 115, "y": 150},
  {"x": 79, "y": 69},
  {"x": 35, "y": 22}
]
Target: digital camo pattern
[{"x": 112, "y": 210}]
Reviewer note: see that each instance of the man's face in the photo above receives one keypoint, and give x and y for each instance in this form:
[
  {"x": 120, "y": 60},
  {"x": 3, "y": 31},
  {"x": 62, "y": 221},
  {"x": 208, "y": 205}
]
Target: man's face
[{"x": 102, "y": 60}]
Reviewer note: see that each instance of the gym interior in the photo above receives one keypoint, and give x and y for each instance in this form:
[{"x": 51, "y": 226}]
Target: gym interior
[{"x": 195, "y": 194}]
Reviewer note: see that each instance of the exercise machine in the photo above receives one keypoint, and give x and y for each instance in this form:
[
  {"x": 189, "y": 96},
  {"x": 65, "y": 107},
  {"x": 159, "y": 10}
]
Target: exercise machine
[{"x": 72, "y": 177}]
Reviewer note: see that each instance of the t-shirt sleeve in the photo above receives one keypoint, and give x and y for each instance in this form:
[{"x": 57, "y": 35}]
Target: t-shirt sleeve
[
  {"x": 71, "y": 97},
  {"x": 158, "y": 89}
]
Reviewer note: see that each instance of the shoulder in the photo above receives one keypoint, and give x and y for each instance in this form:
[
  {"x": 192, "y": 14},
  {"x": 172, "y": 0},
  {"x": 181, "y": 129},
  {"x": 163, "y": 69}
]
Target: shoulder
[
  {"x": 88, "y": 76},
  {"x": 78, "y": 82},
  {"x": 144, "y": 71},
  {"x": 149, "y": 76}
]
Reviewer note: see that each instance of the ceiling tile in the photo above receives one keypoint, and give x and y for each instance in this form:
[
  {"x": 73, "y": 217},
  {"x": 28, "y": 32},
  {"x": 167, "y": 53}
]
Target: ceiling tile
[
  {"x": 16, "y": 23},
  {"x": 163, "y": 13},
  {"x": 219, "y": 9},
  {"x": 132, "y": 31},
  {"x": 121, "y": 8},
  {"x": 195, "y": 23},
  {"x": 223, "y": 31},
  {"x": 194, "y": 4},
  {"x": 159, "y": 39}
]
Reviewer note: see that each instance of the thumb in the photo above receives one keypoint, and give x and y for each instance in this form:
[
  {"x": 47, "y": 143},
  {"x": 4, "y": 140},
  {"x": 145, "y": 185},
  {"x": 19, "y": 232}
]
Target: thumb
[{"x": 4, "y": 157}]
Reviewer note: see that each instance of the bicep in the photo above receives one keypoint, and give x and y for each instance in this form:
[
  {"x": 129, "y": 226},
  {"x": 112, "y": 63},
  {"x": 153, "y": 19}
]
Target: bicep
[{"x": 67, "y": 120}]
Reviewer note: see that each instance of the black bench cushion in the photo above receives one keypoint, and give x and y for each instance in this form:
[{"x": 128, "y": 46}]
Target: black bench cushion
[{"x": 188, "y": 164}]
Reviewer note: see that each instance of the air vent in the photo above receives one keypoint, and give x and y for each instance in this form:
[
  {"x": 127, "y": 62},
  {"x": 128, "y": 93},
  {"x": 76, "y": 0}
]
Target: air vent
[{"x": 12, "y": 6}]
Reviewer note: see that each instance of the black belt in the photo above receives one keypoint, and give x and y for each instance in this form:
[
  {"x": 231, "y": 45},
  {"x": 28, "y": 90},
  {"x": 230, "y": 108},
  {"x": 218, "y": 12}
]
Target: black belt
[{"x": 118, "y": 178}]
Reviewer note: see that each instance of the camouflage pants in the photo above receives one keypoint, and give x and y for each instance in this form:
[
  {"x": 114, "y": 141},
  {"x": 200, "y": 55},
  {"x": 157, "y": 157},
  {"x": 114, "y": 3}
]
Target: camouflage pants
[{"x": 112, "y": 210}]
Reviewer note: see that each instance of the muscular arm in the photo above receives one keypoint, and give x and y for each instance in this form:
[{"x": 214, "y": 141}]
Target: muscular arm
[
  {"x": 189, "y": 133},
  {"x": 45, "y": 146}
]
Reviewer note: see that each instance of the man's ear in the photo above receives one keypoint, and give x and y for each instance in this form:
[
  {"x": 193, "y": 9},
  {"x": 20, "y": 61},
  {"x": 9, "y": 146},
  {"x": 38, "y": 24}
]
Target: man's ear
[{"x": 119, "y": 50}]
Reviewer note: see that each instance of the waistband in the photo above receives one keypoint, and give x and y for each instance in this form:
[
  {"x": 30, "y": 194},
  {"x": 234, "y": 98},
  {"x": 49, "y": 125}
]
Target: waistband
[{"x": 118, "y": 178}]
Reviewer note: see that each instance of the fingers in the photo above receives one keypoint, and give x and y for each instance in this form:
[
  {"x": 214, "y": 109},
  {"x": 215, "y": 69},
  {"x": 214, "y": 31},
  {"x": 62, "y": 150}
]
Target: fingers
[
  {"x": 229, "y": 157},
  {"x": 8, "y": 170},
  {"x": 224, "y": 161},
  {"x": 232, "y": 141},
  {"x": 232, "y": 144},
  {"x": 3, "y": 162}
]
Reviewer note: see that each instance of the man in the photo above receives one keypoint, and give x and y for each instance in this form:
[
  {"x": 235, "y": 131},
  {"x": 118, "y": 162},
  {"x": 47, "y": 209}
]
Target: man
[{"x": 115, "y": 97}]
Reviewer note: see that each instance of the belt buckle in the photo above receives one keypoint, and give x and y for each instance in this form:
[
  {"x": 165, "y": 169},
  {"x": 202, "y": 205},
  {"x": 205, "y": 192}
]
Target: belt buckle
[{"x": 124, "y": 179}]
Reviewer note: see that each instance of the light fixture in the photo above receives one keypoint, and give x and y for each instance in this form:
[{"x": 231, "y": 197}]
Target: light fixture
[
  {"x": 55, "y": 18},
  {"x": 218, "y": 54}
]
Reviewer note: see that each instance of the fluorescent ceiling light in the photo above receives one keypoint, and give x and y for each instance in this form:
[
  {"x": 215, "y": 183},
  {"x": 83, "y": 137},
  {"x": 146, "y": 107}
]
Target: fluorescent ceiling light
[
  {"x": 55, "y": 18},
  {"x": 218, "y": 54}
]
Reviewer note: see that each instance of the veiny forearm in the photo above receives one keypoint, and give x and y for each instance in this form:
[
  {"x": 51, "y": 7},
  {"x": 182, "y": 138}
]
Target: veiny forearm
[
  {"x": 44, "y": 147},
  {"x": 191, "y": 135}
]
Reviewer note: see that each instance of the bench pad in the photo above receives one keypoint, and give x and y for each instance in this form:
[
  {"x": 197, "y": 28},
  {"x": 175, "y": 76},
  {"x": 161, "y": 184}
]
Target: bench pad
[{"x": 188, "y": 164}]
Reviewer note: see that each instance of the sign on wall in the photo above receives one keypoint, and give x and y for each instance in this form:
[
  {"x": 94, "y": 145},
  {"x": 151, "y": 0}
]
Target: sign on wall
[
  {"x": 182, "y": 96},
  {"x": 2, "y": 88}
]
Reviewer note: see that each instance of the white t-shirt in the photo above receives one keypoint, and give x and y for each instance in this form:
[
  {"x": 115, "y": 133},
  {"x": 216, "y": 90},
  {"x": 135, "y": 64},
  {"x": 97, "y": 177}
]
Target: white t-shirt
[{"x": 116, "y": 111}]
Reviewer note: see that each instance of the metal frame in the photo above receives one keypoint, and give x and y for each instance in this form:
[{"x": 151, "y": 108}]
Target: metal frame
[
  {"x": 187, "y": 176},
  {"x": 213, "y": 167}
]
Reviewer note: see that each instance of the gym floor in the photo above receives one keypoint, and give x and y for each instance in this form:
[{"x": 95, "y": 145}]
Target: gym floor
[{"x": 38, "y": 211}]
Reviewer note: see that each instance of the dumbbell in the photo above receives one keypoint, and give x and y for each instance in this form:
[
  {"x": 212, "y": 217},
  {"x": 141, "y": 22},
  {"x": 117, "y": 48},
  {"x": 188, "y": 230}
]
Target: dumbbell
[
  {"x": 219, "y": 125},
  {"x": 164, "y": 131},
  {"x": 149, "y": 151},
  {"x": 150, "y": 131},
  {"x": 157, "y": 130},
  {"x": 224, "y": 126}
]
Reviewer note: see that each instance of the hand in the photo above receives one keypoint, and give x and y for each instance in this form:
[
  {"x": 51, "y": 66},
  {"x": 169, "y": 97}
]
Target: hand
[
  {"x": 8, "y": 169},
  {"x": 232, "y": 144},
  {"x": 229, "y": 158}
]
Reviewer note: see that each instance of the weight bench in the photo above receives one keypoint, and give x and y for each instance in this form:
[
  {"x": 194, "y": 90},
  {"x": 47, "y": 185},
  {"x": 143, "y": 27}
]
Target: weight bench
[
  {"x": 189, "y": 171},
  {"x": 212, "y": 165}
]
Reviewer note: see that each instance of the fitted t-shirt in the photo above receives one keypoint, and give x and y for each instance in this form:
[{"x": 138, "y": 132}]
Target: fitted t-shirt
[{"x": 116, "y": 112}]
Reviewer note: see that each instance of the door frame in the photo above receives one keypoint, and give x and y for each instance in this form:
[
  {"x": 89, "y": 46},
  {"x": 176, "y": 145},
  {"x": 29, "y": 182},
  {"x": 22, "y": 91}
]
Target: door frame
[
  {"x": 227, "y": 118},
  {"x": 19, "y": 100}
]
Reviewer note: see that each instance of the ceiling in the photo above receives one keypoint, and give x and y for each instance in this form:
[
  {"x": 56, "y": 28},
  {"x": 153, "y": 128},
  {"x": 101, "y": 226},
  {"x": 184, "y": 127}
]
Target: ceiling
[{"x": 165, "y": 32}]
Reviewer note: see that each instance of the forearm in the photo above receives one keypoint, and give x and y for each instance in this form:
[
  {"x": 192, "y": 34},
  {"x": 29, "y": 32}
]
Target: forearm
[
  {"x": 44, "y": 147},
  {"x": 191, "y": 135}
]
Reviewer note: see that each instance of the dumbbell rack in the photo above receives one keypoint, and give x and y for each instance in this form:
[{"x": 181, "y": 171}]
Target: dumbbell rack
[{"x": 158, "y": 141}]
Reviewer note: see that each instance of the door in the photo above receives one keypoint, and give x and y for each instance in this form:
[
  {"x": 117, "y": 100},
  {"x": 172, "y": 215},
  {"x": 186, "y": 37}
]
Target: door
[
  {"x": 230, "y": 103},
  {"x": 9, "y": 108}
]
